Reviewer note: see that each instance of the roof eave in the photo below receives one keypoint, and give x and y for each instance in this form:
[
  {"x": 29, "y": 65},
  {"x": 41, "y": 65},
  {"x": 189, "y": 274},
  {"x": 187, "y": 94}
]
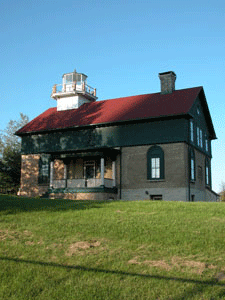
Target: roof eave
[
  {"x": 114, "y": 123},
  {"x": 202, "y": 98}
]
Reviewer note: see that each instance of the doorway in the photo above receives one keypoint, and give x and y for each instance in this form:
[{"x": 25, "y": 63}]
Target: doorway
[{"x": 89, "y": 173}]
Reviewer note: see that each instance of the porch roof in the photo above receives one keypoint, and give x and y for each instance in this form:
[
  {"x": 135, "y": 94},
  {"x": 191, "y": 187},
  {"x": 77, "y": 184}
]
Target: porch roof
[{"x": 101, "y": 152}]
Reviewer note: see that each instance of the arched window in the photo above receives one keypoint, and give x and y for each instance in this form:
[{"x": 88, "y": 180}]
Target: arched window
[
  {"x": 192, "y": 166},
  {"x": 207, "y": 172},
  {"x": 155, "y": 163}
]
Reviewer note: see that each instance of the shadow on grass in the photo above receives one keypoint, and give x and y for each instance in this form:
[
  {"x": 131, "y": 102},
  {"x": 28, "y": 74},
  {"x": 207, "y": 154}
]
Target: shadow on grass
[
  {"x": 212, "y": 282},
  {"x": 15, "y": 204},
  {"x": 198, "y": 291}
]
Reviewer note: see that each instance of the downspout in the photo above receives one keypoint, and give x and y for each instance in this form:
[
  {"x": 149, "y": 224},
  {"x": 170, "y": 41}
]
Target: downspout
[
  {"x": 65, "y": 173},
  {"x": 189, "y": 164},
  {"x": 120, "y": 172}
]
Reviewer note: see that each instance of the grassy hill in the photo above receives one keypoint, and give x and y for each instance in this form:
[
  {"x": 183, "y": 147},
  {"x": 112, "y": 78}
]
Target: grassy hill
[{"x": 59, "y": 249}]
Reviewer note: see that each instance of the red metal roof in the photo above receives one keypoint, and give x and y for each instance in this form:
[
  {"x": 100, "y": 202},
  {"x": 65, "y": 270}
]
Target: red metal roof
[{"x": 115, "y": 110}]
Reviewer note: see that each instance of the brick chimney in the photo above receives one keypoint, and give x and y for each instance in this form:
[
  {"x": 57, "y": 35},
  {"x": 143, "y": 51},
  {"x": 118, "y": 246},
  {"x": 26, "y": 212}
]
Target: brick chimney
[{"x": 167, "y": 82}]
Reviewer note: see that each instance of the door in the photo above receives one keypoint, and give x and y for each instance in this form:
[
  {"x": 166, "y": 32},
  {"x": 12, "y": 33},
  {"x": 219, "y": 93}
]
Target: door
[{"x": 89, "y": 173}]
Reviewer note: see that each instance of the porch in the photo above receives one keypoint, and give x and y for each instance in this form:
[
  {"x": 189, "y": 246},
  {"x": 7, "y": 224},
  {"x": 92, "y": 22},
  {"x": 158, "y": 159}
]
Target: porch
[
  {"x": 83, "y": 183},
  {"x": 86, "y": 172}
]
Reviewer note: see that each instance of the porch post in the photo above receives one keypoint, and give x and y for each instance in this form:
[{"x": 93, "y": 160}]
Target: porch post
[
  {"x": 65, "y": 174},
  {"x": 113, "y": 173},
  {"x": 102, "y": 170},
  {"x": 51, "y": 173}
]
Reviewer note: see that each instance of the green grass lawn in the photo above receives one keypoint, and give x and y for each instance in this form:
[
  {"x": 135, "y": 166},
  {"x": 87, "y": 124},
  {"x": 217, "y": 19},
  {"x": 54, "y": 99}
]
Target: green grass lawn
[{"x": 61, "y": 249}]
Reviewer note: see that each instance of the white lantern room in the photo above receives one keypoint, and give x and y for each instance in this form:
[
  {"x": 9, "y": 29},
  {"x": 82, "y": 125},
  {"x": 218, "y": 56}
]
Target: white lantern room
[{"x": 73, "y": 92}]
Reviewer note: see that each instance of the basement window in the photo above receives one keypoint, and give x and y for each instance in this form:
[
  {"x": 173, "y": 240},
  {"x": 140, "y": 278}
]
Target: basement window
[{"x": 156, "y": 197}]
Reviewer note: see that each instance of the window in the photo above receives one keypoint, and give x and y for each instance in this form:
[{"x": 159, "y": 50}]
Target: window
[
  {"x": 207, "y": 172},
  {"x": 192, "y": 130},
  {"x": 200, "y": 174},
  {"x": 206, "y": 143},
  {"x": 156, "y": 197},
  {"x": 44, "y": 170},
  {"x": 192, "y": 171},
  {"x": 155, "y": 170},
  {"x": 68, "y": 78},
  {"x": 200, "y": 137},
  {"x": 207, "y": 175},
  {"x": 155, "y": 163},
  {"x": 198, "y": 111}
]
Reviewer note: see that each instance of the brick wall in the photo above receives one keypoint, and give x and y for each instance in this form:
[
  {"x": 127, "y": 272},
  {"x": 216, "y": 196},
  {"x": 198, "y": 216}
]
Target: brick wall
[
  {"x": 134, "y": 175},
  {"x": 134, "y": 172},
  {"x": 134, "y": 167},
  {"x": 198, "y": 188},
  {"x": 29, "y": 177},
  {"x": 58, "y": 169},
  {"x": 175, "y": 185}
]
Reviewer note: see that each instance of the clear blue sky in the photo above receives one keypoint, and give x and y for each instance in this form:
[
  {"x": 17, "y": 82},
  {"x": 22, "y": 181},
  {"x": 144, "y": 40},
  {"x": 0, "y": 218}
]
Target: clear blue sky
[{"x": 120, "y": 45}]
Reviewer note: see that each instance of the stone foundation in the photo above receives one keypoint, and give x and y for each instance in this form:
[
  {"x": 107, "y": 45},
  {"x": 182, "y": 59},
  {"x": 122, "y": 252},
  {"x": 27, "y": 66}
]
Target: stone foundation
[
  {"x": 172, "y": 194},
  {"x": 83, "y": 196}
]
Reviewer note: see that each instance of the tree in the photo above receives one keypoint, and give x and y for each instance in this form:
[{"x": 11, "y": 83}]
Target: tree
[
  {"x": 222, "y": 193},
  {"x": 10, "y": 148}
]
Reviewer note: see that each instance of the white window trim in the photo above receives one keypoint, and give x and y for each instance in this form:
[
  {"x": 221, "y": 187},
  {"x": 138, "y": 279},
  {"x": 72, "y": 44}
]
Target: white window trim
[
  {"x": 192, "y": 169},
  {"x": 207, "y": 175},
  {"x": 155, "y": 167},
  {"x": 192, "y": 130},
  {"x": 200, "y": 137},
  {"x": 206, "y": 144}
]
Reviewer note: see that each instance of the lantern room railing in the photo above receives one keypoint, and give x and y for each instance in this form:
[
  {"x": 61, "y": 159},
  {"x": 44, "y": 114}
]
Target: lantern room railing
[{"x": 73, "y": 87}]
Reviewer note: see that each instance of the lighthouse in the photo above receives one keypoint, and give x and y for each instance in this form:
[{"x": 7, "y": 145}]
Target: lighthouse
[{"x": 73, "y": 91}]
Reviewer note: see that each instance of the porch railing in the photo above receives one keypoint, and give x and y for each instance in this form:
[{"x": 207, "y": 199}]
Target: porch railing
[
  {"x": 81, "y": 183},
  {"x": 108, "y": 182}
]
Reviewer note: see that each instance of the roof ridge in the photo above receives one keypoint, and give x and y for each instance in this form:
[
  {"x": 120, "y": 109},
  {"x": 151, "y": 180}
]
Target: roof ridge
[{"x": 148, "y": 94}]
